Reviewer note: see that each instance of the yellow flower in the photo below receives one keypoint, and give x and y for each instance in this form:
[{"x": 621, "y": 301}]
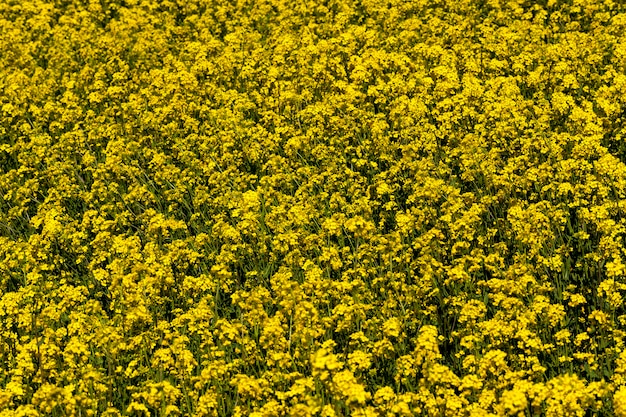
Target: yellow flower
[
  {"x": 346, "y": 385},
  {"x": 619, "y": 402},
  {"x": 392, "y": 327}
]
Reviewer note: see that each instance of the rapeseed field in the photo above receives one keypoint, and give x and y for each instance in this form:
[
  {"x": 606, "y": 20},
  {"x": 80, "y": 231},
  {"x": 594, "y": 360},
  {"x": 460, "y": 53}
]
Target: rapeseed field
[{"x": 312, "y": 208}]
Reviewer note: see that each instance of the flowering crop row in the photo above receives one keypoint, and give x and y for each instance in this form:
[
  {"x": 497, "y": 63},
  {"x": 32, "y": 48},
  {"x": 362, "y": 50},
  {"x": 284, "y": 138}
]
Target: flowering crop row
[{"x": 312, "y": 208}]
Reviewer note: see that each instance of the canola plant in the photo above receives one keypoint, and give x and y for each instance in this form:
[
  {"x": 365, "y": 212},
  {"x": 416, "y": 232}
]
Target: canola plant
[{"x": 312, "y": 208}]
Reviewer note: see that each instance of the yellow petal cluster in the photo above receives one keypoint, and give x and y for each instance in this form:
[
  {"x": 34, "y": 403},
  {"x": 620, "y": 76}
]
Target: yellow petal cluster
[{"x": 316, "y": 208}]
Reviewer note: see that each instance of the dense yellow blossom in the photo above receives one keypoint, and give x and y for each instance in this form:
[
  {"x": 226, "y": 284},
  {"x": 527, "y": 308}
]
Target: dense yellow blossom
[{"x": 278, "y": 208}]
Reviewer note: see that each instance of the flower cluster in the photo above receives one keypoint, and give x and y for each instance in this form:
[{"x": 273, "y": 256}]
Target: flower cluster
[{"x": 318, "y": 208}]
